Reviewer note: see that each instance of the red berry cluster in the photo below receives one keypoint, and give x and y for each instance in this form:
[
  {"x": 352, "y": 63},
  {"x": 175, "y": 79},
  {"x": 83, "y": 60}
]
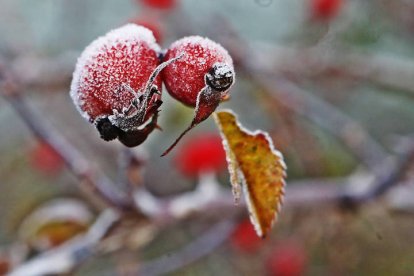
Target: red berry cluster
[{"x": 117, "y": 82}]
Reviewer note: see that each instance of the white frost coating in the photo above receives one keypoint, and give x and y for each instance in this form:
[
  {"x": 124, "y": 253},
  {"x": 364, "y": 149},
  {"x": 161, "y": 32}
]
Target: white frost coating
[
  {"x": 241, "y": 178},
  {"x": 207, "y": 190},
  {"x": 204, "y": 42},
  {"x": 125, "y": 35},
  {"x": 147, "y": 203}
]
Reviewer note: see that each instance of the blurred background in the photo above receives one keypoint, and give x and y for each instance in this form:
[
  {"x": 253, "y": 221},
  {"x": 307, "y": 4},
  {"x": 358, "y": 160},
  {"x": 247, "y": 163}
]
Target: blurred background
[{"x": 332, "y": 81}]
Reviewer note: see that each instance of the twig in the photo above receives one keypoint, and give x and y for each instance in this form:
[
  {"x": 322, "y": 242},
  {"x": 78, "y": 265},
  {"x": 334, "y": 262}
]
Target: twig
[
  {"x": 386, "y": 179},
  {"x": 207, "y": 196},
  {"x": 377, "y": 68},
  {"x": 71, "y": 156},
  {"x": 68, "y": 256},
  {"x": 198, "y": 248},
  {"x": 130, "y": 169},
  {"x": 325, "y": 115}
]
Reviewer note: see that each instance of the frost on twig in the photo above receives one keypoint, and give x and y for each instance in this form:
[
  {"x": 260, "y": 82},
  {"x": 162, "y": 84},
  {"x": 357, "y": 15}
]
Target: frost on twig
[{"x": 65, "y": 258}]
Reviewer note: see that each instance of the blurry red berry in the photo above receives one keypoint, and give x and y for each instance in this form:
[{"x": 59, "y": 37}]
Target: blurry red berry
[
  {"x": 160, "y": 4},
  {"x": 5, "y": 265},
  {"x": 287, "y": 259},
  {"x": 45, "y": 159},
  {"x": 150, "y": 24},
  {"x": 185, "y": 78},
  {"x": 325, "y": 9},
  {"x": 244, "y": 238},
  {"x": 202, "y": 153}
]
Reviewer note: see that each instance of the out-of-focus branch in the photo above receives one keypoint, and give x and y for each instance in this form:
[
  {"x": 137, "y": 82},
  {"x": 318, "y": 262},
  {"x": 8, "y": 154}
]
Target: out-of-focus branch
[
  {"x": 131, "y": 165},
  {"x": 44, "y": 73},
  {"x": 377, "y": 68},
  {"x": 325, "y": 115},
  {"x": 71, "y": 156},
  {"x": 385, "y": 179},
  {"x": 195, "y": 250},
  {"x": 68, "y": 256},
  {"x": 208, "y": 195}
]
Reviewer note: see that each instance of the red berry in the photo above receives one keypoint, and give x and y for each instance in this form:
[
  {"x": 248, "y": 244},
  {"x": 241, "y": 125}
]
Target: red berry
[
  {"x": 325, "y": 9},
  {"x": 113, "y": 84},
  {"x": 127, "y": 55},
  {"x": 185, "y": 78},
  {"x": 150, "y": 24},
  {"x": 45, "y": 159},
  {"x": 203, "y": 153},
  {"x": 201, "y": 77},
  {"x": 244, "y": 238},
  {"x": 160, "y": 4},
  {"x": 287, "y": 259}
]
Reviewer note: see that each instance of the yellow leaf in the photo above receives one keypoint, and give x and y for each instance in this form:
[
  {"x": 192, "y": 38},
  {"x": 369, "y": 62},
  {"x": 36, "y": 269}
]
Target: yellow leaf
[{"x": 257, "y": 167}]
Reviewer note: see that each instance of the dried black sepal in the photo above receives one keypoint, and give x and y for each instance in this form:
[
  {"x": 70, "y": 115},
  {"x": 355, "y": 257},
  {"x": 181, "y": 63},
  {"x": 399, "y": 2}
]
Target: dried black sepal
[
  {"x": 220, "y": 77},
  {"x": 107, "y": 130}
]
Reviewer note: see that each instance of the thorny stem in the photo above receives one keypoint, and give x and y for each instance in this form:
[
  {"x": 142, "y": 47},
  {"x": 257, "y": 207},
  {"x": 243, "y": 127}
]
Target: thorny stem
[
  {"x": 150, "y": 82},
  {"x": 192, "y": 125}
]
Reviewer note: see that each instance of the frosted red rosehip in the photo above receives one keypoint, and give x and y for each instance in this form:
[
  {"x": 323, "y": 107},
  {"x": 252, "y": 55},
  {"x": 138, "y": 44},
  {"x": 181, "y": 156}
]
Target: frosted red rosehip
[
  {"x": 115, "y": 84},
  {"x": 123, "y": 57},
  {"x": 185, "y": 78},
  {"x": 201, "y": 77}
]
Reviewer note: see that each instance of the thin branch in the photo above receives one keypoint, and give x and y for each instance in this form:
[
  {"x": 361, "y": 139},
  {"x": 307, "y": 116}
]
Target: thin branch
[
  {"x": 130, "y": 168},
  {"x": 386, "y": 179},
  {"x": 328, "y": 117},
  {"x": 197, "y": 249},
  {"x": 71, "y": 156},
  {"x": 377, "y": 68}
]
